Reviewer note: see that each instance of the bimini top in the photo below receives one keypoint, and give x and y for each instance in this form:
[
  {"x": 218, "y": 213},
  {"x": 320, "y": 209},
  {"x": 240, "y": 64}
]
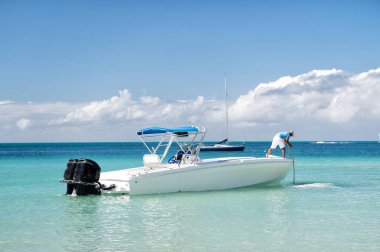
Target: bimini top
[{"x": 159, "y": 130}]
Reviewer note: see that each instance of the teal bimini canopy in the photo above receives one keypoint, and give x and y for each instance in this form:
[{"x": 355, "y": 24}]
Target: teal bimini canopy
[{"x": 159, "y": 130}]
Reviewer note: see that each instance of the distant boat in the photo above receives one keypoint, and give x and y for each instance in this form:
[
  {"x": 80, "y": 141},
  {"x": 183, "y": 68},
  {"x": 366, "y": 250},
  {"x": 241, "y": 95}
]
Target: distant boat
[
  {"x": 325, "y": 142},
  {"x": 224, "y": 145}
]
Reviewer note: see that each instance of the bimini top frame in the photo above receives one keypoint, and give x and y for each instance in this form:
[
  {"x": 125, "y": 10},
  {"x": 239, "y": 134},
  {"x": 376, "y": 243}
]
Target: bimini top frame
[{"x": 188, "y": 138}]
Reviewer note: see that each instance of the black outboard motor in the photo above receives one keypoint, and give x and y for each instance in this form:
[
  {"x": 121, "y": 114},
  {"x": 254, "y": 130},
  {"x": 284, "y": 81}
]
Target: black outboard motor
[
  {"x": 69, "y": 174},
  {"x": 83, "y": 176}
]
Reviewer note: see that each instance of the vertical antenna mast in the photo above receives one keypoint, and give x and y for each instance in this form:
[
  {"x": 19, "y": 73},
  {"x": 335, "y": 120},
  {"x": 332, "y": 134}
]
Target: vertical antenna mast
[{"x": 225, "y": 89}]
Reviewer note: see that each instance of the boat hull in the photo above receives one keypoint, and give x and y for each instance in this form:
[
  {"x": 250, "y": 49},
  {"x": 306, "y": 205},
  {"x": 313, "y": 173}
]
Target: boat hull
[{"x": 211, "y": 174}]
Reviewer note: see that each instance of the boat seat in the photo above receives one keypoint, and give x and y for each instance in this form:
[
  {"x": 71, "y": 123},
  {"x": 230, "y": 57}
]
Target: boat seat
[
  {"x": 151, "y": 160},
  {"x": 176, "y": 158}
]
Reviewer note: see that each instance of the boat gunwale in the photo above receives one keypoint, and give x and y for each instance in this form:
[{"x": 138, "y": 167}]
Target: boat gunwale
[{"x": 141, "y": 172}]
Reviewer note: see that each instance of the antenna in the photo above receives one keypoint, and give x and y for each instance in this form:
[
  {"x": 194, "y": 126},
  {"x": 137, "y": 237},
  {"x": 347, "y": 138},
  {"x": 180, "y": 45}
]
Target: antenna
[{"x": 225, "y": 89}]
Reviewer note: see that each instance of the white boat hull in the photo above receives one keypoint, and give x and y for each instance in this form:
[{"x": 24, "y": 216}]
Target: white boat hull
[{"x": 210, "y": 174}]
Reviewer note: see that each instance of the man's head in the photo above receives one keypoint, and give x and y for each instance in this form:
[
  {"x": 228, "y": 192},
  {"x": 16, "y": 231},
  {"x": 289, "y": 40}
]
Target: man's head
[{"x": 291, "y": 132}]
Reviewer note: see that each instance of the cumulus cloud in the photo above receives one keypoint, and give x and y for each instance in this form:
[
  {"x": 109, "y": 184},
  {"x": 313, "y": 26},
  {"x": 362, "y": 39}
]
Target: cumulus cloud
[
  {"x": 123, "y": 108},
  {"x": 23, "y": 123},
  {"x": 5, "y": 102},
  {"x": 319, "y": 95},
  {"x": 319, "y": 104}
]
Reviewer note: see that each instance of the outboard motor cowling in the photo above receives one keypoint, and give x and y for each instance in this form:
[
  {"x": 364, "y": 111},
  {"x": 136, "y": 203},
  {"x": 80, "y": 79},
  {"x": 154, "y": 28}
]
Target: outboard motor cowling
[
  {"x": 82, "y": 175},
  {"x": 87, "y": 170},
  {"x": 68, "y": 175},
  {"x": 70, "y": 168}
]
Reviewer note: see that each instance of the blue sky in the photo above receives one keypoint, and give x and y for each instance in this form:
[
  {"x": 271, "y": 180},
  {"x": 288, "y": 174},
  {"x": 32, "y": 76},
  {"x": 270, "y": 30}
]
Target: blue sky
[
  {"x": 85, "y": 50},
  {"x": 78, "y": 52}
]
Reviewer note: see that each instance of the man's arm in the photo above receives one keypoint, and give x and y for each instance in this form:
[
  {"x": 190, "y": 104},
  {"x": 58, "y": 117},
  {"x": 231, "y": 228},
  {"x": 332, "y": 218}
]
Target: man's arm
[{"x": 288, "y": 143}]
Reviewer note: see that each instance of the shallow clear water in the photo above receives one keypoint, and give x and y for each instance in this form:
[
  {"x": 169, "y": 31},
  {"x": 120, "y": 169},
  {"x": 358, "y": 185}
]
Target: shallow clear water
[{"x": 334, "y": 205}]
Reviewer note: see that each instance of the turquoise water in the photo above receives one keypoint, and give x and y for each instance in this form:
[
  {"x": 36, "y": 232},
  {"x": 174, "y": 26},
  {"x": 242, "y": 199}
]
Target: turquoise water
[{"x": 334, "y": 205}]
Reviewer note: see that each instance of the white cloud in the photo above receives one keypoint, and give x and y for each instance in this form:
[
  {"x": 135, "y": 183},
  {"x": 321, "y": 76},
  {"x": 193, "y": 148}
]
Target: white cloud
[
  {"x": 5, "y": 102},
  {"x": 103, "y": 110},
  {"x": 320, "y": 104},
  {"x": 327, "y": 95},
  {"x": 123, "y": 109},
  {"x": 23, "y": 123}
]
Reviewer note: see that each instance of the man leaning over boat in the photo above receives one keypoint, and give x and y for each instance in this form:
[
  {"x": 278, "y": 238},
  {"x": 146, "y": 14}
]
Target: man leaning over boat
[{"x": 281, "y": 139}]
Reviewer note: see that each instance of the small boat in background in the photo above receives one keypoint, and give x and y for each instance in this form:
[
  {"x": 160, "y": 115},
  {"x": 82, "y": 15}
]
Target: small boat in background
[
  {"x": 325, "y": 142},
  {"x": 224, "y": 145}
]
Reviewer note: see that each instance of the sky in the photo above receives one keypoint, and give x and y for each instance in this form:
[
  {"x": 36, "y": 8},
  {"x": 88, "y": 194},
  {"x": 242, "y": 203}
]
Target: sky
[{"x": 101, "y": 70}]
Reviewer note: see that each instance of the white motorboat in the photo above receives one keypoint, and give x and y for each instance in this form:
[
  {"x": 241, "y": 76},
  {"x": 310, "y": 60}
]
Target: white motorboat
[{"x": 185, "y": 171}]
